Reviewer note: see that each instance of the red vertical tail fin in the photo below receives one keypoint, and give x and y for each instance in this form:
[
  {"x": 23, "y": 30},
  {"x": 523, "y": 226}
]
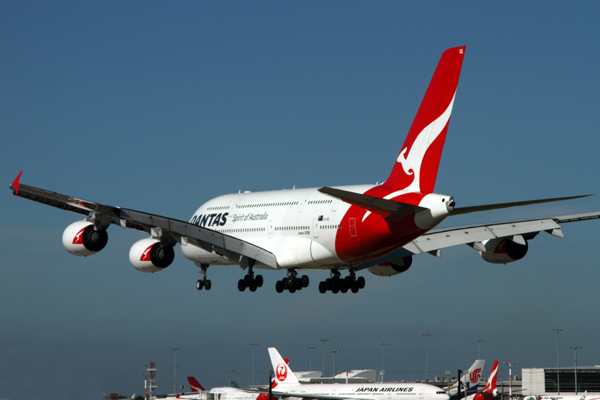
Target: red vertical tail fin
[
  {"x": 195, "y": 385},
  {"x": 490, "y": 386},
  {"x": 417, "y": 164}
]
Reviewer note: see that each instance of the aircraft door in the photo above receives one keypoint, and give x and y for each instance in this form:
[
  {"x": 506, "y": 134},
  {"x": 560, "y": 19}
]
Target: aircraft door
[
  {"x": 270, "y": 229},
  {"x": 352, "y": 224},
  {"x": 315, "y": 228},
  {"x": 422, "y": 394}
]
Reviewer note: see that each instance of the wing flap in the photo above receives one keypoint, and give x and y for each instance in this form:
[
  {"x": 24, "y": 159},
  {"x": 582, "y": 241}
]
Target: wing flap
[{"x": 455, "y": 237}]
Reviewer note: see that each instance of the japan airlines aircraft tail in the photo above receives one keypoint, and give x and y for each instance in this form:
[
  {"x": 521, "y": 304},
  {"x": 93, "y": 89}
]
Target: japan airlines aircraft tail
[
  {"x": 468, "y": 382},
  {"x": 342, "y": 228},
  {"x": 288, "y": 386}
]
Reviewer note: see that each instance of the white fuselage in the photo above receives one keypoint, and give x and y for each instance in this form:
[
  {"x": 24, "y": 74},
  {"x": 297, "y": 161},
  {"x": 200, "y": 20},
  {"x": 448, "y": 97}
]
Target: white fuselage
[
  {"x": 382, "y": 391},
  {"x": 306, "y": 229}
]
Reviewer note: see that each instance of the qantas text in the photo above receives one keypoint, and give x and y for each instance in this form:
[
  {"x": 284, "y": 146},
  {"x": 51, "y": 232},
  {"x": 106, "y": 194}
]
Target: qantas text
[{"x": 209, "y": 219}]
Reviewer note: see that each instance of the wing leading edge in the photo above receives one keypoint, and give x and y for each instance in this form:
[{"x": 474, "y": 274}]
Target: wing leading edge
[{"x": 155, "y": 225}]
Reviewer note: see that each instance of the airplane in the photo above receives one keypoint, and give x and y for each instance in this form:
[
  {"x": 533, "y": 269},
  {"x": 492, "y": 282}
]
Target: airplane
[
  {"x": 490, "y": 391},
  {"x": 227, "y": 393},
  {"x": 287, "y": 385},
  {"x": 468, "y": 382},
  {"x": 344, "y": 228}
]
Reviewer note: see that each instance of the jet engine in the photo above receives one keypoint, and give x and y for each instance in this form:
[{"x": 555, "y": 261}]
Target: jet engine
[
  {"x": 503, "y": 251},
  {"x": 149, "y": 255},
  {"x": 392, "y": 268},
  {"x": 81, "y": 239}
]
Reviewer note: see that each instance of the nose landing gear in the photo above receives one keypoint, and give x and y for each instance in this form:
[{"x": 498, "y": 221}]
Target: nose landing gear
[{"x": 203, "y": 283}]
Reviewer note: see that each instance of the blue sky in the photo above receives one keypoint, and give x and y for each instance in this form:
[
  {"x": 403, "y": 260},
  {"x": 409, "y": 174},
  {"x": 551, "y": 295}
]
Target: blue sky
[{"x": 161, "y": 106}]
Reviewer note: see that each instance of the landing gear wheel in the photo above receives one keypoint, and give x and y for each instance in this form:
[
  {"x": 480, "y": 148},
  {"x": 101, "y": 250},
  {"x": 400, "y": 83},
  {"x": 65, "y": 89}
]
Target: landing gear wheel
[
  {"x": 279, "y": 286},
  {"x": 259, "y": 280},
  {"x": 199, "y": 284},
  {"x": 241, "y": 285},
  {"x": 247, "y": 279},
  {"x": 298, "y": 284},
  {"x": 285, "y": 282},
  {"x": 252, "y": 286},
  {"x": 305, "y": 281},
  {"x": 292, "y": 289},
  {"x": 322, "y": 287},
  {"x": 361, "y": 282},
  {"x": 207, "y": 284},
  {"x": 343, "y": 286},
  {"x": 354, "y": 287},
  {"x": 292, "y": 281}
]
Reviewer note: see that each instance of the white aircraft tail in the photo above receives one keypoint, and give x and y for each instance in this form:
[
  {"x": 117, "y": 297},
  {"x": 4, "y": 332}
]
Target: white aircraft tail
[
  {"x": 283, "y": 373},
  {"x": 469, "y": 380}
]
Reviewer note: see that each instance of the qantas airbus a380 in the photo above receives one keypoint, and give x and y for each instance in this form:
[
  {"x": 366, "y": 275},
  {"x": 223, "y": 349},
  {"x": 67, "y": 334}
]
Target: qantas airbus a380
[{"x": 374, "y": 227}]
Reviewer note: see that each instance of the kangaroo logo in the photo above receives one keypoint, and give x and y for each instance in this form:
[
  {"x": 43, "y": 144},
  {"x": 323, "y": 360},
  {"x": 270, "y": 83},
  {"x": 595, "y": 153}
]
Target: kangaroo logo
[
  {"x": 78, "y": 239},
  {"x": 281, "y": 372}
]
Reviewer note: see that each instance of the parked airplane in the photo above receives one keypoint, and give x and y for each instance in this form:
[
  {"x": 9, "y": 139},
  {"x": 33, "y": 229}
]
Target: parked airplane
[
  {"x": 374, "y": 227},
  {"x": 228, "y": 393},
  {"x": 468, "y": 382},
  {"x": 286, "y": 385},
  {"x": 490, "y": 391}
]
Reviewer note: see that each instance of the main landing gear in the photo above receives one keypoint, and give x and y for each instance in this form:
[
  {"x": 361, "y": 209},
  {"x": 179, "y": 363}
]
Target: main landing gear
[
  {"x": 337, "y": 284},
  {"x": 292, "y": 283},
  {"x": 203, "y": 283},
  {"x": 250, "y": 281}
]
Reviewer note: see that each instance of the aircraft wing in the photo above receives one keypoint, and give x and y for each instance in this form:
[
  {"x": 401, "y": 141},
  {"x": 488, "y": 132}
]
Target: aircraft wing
[
  {"x": 473, "y": 235},
  {"x": 180, "y": 231}
]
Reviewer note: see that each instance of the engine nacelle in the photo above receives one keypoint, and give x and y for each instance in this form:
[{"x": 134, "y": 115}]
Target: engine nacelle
[
  {"x": 148, "y": 255},
  {"x": 392, "y": 268},
  {"x": 503, "y": 251},
  {"x": 81, "y": 239}
]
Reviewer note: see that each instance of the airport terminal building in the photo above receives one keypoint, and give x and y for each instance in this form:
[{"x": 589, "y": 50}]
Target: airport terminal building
[{"x": 545, "y": 381}]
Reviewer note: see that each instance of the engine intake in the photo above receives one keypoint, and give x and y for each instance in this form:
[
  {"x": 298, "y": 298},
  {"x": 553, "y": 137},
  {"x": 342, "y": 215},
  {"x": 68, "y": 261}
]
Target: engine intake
[
  {"x": 81, "y": 239},
  {"x": 149, "y": 255}
]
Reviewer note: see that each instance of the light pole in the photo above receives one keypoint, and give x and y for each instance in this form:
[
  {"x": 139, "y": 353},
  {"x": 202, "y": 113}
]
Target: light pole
[
  {"x": 557, "y": 364},
  {"x": 426, "y": 335},
  {"x": 310, "y": 348},
  {"x": 323, "y": 341},
  {"x": 479, "y": 341},
  {"x": 175, "y": 368},
  {"x": 333, "y": 352},
  {"x": 510, "y": 364},
  {"x": 383, "y": 365},
  {"x": 253, "y": 345},
  {"x": 575, "y": 350}
]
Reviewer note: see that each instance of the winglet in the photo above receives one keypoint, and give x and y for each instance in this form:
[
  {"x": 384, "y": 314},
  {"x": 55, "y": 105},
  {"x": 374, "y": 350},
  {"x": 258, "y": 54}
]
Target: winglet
[{"x": 15, "y": 184}]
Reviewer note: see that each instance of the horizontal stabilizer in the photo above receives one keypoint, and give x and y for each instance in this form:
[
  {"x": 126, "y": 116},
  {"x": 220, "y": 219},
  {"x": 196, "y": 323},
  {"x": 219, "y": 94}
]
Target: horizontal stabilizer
[
  {"x": 489, "y": 207},
  {"x": 382, "y": 207}
]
